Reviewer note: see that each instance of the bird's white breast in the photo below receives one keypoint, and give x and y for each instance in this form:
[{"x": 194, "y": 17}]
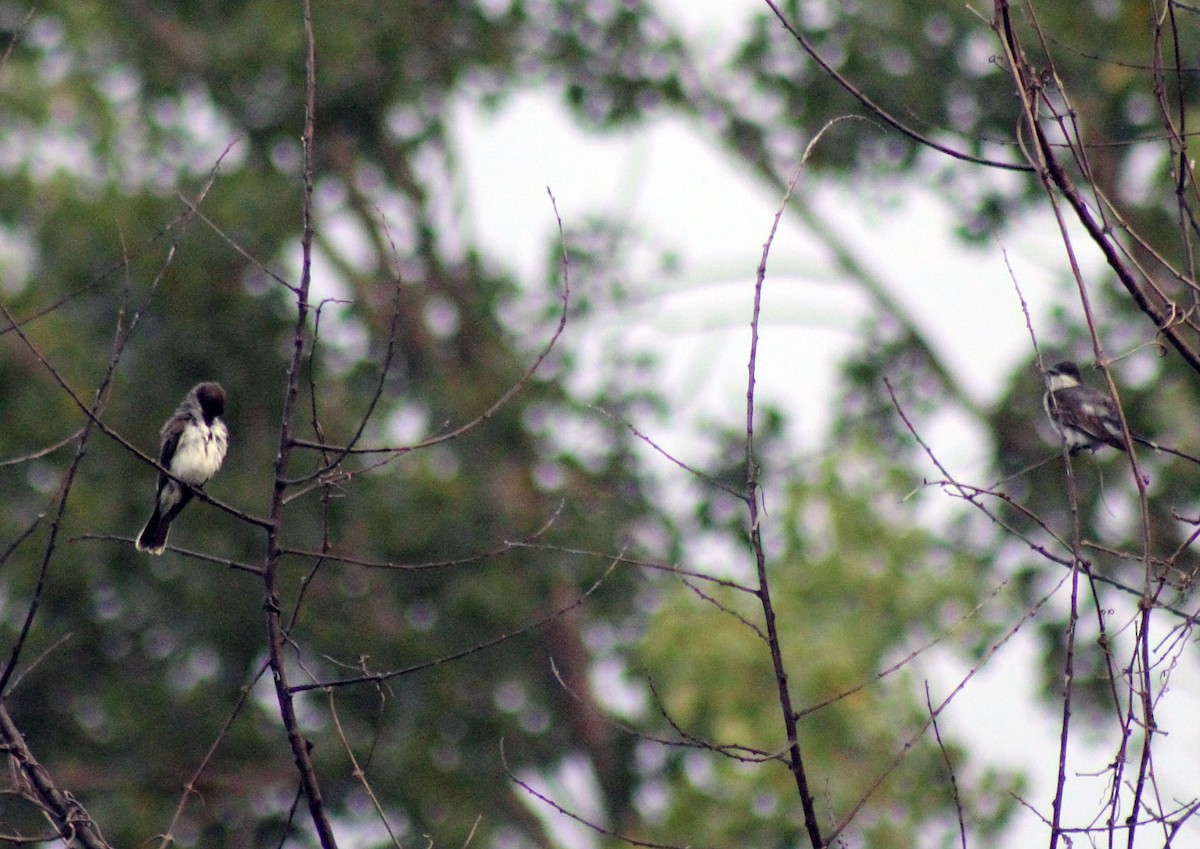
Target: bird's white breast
[{"x": 200, "y": 451}]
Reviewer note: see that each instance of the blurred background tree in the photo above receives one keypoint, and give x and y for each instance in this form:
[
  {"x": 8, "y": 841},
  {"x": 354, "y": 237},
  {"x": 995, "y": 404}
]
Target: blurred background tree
[{"x": 118, "y": 115}]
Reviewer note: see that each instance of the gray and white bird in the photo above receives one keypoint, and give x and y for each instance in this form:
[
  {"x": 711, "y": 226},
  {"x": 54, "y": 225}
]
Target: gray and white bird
[
  {"x": 194, "y": 441},
  {"x": 1086, "y": 418}
]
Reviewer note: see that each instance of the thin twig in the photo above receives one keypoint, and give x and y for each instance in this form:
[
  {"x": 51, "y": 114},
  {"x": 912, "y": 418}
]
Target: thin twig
[
  {"x": 599, "y": 829},
  {"x": 375, "y": 678},
  {"x": 190, "y": 789},
  {"x": 496, "y": 405},
  {"x": 877, "y": 110},
  {"x": 937, "y": 734},
  {"x": 751, "y": 498}
]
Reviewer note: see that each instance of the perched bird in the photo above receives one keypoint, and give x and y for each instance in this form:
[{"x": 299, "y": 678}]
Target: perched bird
[
  {"x": 194, "y": 441},
  {"x": 1086, "y": 418}
]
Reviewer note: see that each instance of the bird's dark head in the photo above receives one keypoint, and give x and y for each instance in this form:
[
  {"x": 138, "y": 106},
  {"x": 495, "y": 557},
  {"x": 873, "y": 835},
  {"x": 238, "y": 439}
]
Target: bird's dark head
[
  {"x": 1063, "y": 375},
  {"x": 211, "y": 398},
  {"x": 1066, "y": 368}
]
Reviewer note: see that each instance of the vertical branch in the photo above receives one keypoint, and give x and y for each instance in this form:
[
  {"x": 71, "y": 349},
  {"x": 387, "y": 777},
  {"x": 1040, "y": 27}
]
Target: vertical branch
[
  {"x": 1176, "y": 135},
  {"x": 751, "y": 497},
  {"x": 276, "y": 638},
  {"x": 1043, "y": 157},
  {"x": 1142, "y": 688},
  {"x": 1068, "y": 667}
]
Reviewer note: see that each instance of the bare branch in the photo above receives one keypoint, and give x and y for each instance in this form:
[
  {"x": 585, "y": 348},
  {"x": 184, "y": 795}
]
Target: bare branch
[
  {"x": 374, "y": 678},
  {"x": 275, "y": 633},
  {"x": 877, "y": 110},
  {"x": 72, "y": 820}
]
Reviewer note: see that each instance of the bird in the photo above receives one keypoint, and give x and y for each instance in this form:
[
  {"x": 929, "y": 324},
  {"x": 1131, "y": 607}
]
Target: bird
[
  {"x": 1084, "y": 417},
  {"x": 194, "y": 442}
]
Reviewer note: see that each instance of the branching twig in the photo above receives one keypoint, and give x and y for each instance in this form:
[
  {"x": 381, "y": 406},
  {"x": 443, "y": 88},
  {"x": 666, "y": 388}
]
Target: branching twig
[
  {"x": 877, "y": 110},
  {"x": 190, "y": 789},
  {"x": 72, "y": 820},
  {"x": 374, "y": 678},
  {"x": 937, "y": 734},
  {"x": 496, "y": 405},
  {"x": 599, "y": 829}
]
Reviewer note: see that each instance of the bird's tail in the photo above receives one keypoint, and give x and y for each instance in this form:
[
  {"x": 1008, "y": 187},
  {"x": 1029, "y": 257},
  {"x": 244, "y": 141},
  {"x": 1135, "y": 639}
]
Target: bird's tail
[
  {"x": 153, "y": 538},
  {"x": 1141, "y": 440}
]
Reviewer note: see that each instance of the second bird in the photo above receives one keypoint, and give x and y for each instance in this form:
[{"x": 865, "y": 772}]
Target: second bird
[
  {"x": 194, "y": 441},
  {"x": 1086, "y": 418}
]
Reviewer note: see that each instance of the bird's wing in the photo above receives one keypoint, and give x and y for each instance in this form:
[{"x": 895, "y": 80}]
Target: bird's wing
[
  {"x": 1092, "y": 412},
  {"x": 171, "y": 433}
]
